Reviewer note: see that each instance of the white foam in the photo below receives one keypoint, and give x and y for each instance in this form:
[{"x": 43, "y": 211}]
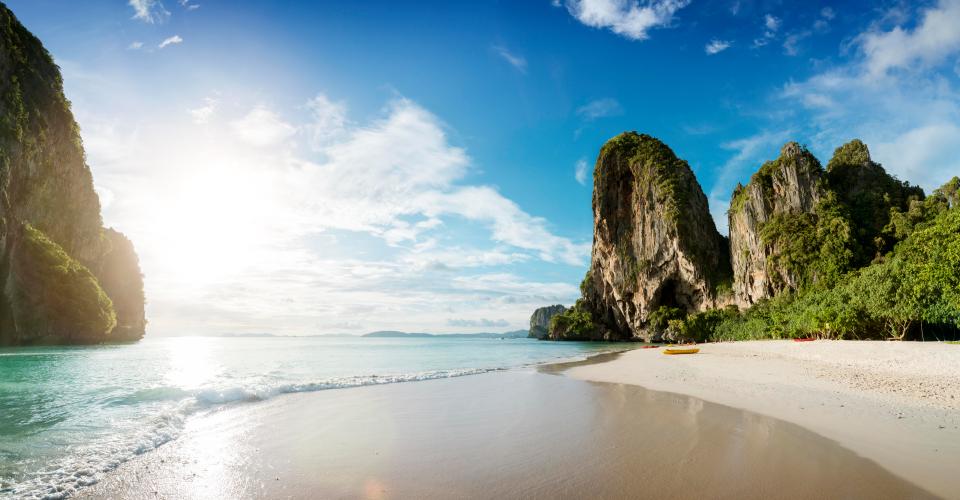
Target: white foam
[{"x": 86, "y": 465}]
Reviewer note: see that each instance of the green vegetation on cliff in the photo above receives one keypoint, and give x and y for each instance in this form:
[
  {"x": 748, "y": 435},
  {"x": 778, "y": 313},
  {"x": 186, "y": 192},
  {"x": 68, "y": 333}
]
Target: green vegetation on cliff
[
  {"x": 847, "y": 251},
  {"x": 869, "y": 195},
  {"x": 654, "y": 239},
  {"x": 42, "y": 168},
  {"x": 61, "y": 272},
  {"x": 812, "y": 247},
  {"x": 912, "y": 292},
  {"x": 119, "y": 274},
  {"x": 651, "y": 162},
  {"x": 54, "y": 296},
  {"x": 575, "y": 323}
]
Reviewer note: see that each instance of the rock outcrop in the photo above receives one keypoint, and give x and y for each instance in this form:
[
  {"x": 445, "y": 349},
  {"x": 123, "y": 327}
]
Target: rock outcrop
[
  {"x": 869, "y": 193},
  {"x": 540, "y": 320},
  {"x": 654, "y": 243},
  {"x": 660, "y": 271},
  {"x": 61, "y": 272},
  {"x": 789, "y": 186}
]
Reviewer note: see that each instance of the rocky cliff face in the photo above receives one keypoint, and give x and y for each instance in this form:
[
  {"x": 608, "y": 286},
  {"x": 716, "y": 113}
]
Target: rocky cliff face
[
  {"x": 540, "y": 320},
  {"x": 789, "y": 186},
  {"x": 658, "y": 261},
  {"x": 655, "y": 244},
  {"x": 52, "y": 240}
]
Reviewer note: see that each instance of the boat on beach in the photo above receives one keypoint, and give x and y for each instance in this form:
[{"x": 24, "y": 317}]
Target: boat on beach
[{"x": 693, "y": 350}]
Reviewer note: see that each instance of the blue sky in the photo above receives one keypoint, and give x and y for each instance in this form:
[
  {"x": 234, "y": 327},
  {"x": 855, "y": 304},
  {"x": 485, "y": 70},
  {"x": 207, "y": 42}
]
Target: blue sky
[{"x": 321, "y": 167}]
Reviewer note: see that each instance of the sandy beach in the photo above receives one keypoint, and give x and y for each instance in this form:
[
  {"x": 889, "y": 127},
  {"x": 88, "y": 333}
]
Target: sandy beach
[
  {"x": 896, "y": 403},
  {"x": 525, "y": 433}
]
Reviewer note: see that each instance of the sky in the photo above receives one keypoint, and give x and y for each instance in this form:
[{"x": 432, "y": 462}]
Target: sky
[{"x": 306, "y": 168}]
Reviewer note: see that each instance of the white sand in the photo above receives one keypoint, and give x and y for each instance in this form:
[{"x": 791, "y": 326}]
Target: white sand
[{"x": 897, "y": 403}]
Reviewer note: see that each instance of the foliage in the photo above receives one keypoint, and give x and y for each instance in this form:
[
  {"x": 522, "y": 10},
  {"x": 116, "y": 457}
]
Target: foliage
[
  {"x": 575, "y": 323},
  {"x": 853, "y": 153},
  {"x": 874, "y": 259},
  {"x": 809, "y": 248},
  {"x": 55, "y": 295},
  {"x": 699, "y": 327},
  {"x": 651, "y": 162},
  {"x": 658, "y": 322},
  {"x": 912, "y": 292},
  {"x": 119, "y": 274},
  {"x": 44, "y": 175},
  {"x": 869, "y": 195}
]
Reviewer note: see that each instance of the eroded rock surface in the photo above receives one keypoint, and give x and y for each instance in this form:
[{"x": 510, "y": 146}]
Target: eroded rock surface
[
  {"x": 540, "y": 320},
  {"x": 788, "y": 186},
  {"x": 655, "y": 243},
  {"x": 64, "y": 278}
]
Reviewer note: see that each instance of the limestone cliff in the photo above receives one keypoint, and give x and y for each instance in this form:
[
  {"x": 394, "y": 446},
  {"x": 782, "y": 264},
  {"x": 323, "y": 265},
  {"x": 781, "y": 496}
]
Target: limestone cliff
[
  {"x": 655, "y": 244},
  {"x": 52, "y": 240},
  {"x": 540, "y": 320},
  {"x": 788, "y": 187},
  {"x": 660, "y": 271}
]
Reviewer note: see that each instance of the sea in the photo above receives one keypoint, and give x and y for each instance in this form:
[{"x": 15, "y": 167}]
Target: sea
[{"x": 69, "y": 415}]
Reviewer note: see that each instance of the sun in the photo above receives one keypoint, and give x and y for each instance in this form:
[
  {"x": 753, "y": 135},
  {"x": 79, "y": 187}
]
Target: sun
[{"x": 212, "y": 226}]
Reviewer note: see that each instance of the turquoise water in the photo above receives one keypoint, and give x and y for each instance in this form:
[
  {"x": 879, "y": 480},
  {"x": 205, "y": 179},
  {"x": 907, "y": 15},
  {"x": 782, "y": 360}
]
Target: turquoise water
[{"x": 69, "y": 414}]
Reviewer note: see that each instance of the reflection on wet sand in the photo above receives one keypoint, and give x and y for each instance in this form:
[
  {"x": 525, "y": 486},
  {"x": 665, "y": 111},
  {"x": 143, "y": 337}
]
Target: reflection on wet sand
[{"x": 518, "y": 434}]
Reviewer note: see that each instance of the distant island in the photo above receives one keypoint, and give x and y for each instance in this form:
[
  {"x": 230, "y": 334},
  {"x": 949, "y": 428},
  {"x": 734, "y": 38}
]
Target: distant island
[{"x": 518, "y": 334}]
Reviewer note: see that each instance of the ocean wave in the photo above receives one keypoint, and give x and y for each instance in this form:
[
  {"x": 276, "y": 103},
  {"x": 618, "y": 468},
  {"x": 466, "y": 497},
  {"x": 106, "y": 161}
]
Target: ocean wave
[
  {"x": 87, "y": 464},
  {"x": 171, "y": 407},
  {"x": 214, "y": 397}
]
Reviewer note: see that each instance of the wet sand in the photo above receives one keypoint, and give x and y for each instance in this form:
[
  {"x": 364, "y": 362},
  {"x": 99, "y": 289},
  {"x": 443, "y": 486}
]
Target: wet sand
[
  {"x": 514, "y": 434},
  {"x": 897, "y": 403}
]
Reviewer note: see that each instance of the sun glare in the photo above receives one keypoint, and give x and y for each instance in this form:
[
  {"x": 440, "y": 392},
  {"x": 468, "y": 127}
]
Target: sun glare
[{"x": 212, "y": 228}]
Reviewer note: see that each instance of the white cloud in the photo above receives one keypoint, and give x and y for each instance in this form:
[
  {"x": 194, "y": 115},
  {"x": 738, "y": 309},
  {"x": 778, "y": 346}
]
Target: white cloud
[
  {"x": 187, "y": 4},
  {"x": 202, "y": 114},
  {"x": 600, "y": 108},
  {"x": 928, "y": 154},
  {"x": 627, "y": 18},
  {"x": 329, "y": 121},
  {"x": 893, "y": 115},
  {"x": 274, "y": 236},
  {"x": 517, "y": 61},
  {"x": 135, "y": 46},
  {"x": 771, "y": 23},
  {"x": 791, "y": 44},
  {"x": 262, "y": 127},
  {"x": 508, "y": 223},
  {"x": 749, "y": 154},
  {"x": 149, "y": 11},
  {"x": 933, "y": 39},
  {"x": 827, "y": 13},
  {"x": 173, "y": 40},
  {"x": 581, "y": 170},
  {"x": 478, "y": 323},
  {"x": 717, "y": 46}
]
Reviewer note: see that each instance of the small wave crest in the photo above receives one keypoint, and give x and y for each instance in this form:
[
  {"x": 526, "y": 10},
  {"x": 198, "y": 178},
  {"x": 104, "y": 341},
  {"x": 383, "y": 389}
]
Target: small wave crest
[{"x": 86, "y": 464}]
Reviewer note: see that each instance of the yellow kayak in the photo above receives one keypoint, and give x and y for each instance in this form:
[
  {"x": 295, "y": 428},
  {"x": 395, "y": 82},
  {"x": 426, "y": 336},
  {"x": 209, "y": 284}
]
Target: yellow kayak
[{"x": 681, "y": 351}]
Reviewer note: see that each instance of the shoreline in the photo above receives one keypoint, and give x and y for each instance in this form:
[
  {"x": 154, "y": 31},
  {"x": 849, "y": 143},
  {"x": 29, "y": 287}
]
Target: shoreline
[
  {"x": 896, "y": 403},
  {"x": 523, "y": 433}
]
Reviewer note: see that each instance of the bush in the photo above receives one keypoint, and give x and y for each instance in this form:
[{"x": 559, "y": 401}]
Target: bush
[
  {"x": 575, "y": 323},
  {"x": 915, "y": 288},
  {"x": 55, "y": 296}
]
